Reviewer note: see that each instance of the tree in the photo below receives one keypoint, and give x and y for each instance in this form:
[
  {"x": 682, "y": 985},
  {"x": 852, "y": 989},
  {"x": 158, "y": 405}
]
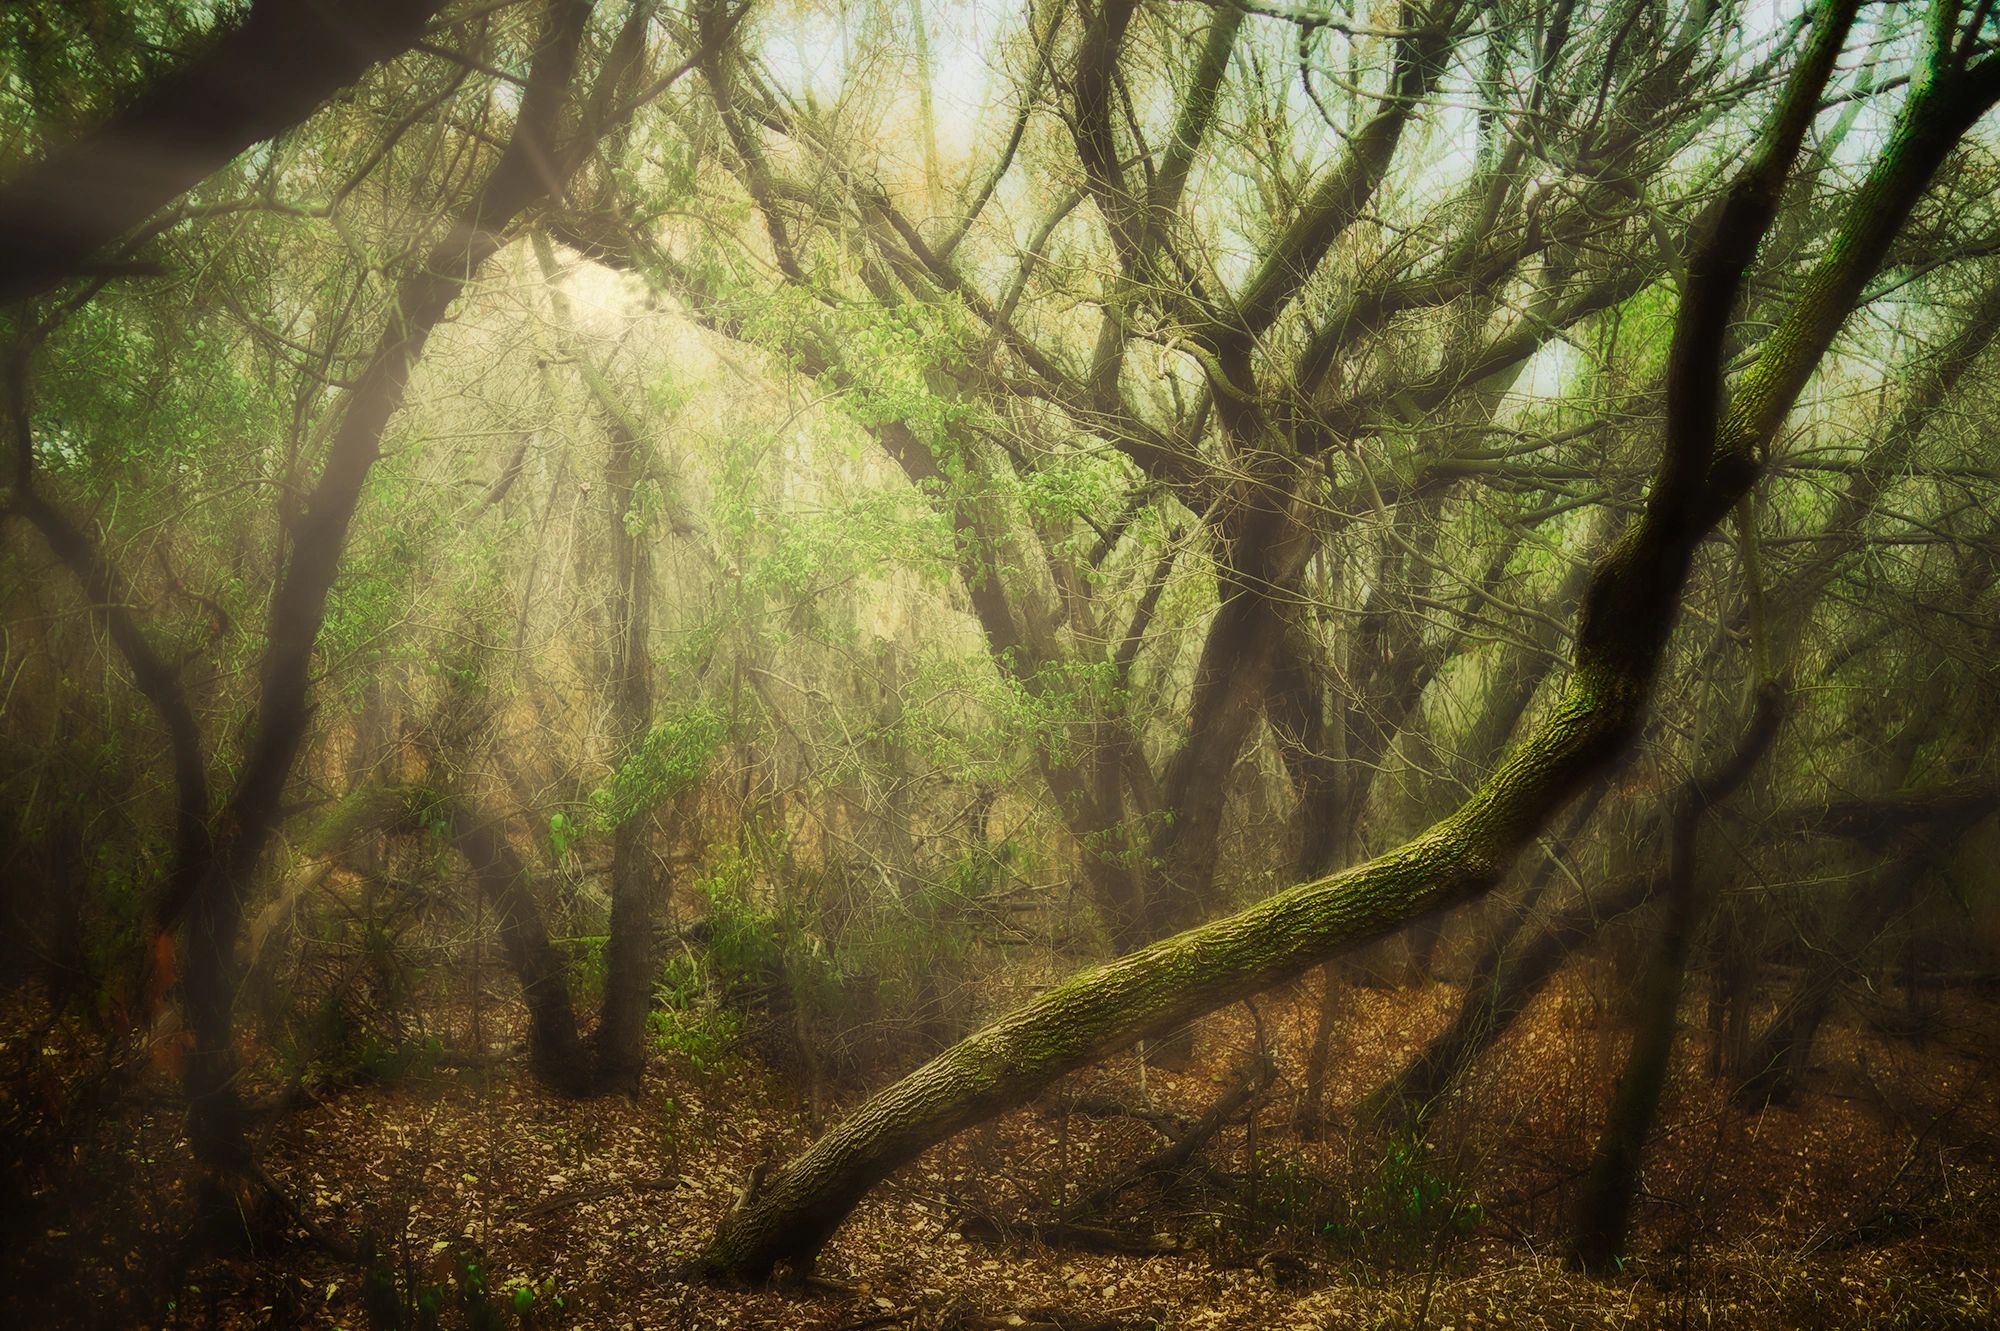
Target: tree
[
  {"x": 255, "y": 80},
  {"x": 212, "y": 881},
  {"x": 1714, "y": 442}
]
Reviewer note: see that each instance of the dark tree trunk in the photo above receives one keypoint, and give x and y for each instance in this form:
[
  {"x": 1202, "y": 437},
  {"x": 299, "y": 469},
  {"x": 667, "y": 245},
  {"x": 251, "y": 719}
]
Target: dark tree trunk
[
  {"x": 631, "y": 959},
  {"x": 1260, "y": 565},
  {"x": 554, "y": 1049},
  {"x": 1604, "y": 1209},
  {"x": 1734, "y": 952},
  {"x": 1603, "y": 1212},
  {"x": 1784, "y": 1051},
  {"x": 631, "y": 953},
  {"x": 250, "y": 817}
]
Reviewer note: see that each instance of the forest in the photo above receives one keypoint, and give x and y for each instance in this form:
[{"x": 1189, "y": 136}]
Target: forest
[{"x": 965, "y": 664}]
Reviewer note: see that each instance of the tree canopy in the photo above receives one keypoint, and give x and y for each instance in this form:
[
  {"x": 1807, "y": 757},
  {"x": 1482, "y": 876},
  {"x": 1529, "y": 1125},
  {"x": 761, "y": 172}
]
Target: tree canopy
[{"x": 932, "y": 546}]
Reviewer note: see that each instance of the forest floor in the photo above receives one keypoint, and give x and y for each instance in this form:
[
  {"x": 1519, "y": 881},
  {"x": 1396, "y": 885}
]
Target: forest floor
[{"x": 1874, "y": 1200}]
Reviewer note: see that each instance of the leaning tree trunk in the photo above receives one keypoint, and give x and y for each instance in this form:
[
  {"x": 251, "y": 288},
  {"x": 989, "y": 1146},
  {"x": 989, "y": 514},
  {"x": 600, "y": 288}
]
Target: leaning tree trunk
[{"x": 1711, "y": 459}]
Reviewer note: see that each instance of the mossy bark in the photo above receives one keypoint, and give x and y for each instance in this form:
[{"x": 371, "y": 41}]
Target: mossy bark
[{"x": 1169, "y": 983}]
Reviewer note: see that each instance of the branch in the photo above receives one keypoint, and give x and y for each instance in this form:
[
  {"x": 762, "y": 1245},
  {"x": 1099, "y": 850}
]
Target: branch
[{"x": 254, "y": 81}]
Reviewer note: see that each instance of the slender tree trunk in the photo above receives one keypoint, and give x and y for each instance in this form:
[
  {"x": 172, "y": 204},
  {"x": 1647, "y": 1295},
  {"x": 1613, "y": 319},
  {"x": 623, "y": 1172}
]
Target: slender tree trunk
[
  {"x": 1603, "y": 1214},
  {"x": 631, "y": 953},
  {"x": 554, "y": 1049},
  {"x": 1734, "y": 953},
  {"x": 298, "y": 607}
]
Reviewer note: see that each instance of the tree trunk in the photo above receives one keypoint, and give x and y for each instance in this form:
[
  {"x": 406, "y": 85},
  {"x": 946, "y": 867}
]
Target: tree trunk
[
  {"x": 1259, "y": 567},
  {"x": 554, "y": 1049},
  {"x": 1603, "y": 1212},
  {"x": 1603, "y": 1215},
  {"x": 298, "y": 607},
  {"x": 631, "y": 953}
]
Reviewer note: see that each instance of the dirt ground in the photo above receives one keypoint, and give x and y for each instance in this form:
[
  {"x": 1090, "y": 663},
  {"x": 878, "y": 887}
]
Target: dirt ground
[{"x": 1871, "y": 1201}]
